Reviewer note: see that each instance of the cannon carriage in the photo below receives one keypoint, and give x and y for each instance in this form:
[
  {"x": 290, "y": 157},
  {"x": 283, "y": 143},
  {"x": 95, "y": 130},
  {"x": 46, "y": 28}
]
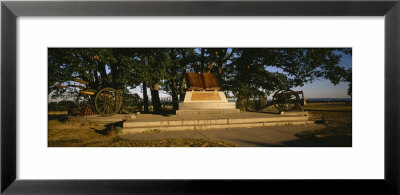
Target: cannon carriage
[
  {"x": 288, "y": 100},
  {"x": 106, "y": 101}
]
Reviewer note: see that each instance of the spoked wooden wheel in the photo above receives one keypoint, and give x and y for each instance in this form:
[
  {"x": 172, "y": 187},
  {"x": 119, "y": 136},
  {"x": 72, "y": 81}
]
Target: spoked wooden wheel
[
  {"x": 108, "y": 101},
  {"x": 286, "y": 100},
  {"x": 82, "y": 101}
]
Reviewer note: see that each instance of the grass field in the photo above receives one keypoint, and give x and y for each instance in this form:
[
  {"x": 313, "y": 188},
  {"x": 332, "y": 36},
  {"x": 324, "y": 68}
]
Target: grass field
[
  {"x": 328, "y": 107},
  {"x": 58, "y": 112},
  {"x": 338, "y": 121},
  {"x": 337, "y": 117}
]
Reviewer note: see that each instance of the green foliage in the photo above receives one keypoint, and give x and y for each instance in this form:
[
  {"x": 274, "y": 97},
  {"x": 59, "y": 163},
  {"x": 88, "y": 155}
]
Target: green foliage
[
  {"x": 60, "y": 106},
  {"x": 100, "y": 67}
]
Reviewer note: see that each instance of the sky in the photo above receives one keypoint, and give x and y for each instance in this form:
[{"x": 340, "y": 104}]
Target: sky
[{"x": 323, "y": 88}]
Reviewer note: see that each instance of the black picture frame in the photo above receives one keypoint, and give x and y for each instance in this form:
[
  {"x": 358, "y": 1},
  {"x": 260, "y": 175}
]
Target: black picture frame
[{"x": 10, "y": 10}]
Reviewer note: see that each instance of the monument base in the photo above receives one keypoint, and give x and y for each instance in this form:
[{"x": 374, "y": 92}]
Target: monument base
[
  {"x": 206, "y": 102},
  {"x": 206, "y": 105},
  {"x": 207, "y": 112}
]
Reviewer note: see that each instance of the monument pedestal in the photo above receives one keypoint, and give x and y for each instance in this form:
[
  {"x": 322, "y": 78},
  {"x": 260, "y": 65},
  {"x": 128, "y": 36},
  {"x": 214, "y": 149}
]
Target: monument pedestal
[{"x": 206, "y": 102}]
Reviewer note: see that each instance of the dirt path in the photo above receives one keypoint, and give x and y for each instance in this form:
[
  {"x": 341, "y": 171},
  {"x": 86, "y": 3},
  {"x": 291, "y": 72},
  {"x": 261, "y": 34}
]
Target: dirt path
[{"x": 244, "y": 137}]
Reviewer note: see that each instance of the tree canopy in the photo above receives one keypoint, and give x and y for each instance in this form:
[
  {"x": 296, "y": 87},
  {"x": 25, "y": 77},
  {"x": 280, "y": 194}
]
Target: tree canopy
[{"x": 245, "y": 72}]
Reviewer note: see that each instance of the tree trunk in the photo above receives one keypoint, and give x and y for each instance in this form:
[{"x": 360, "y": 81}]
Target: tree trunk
[
  {"x": 262, "y": 101},
  {"x": 256, "y": 105},
  {"x": 182, "y": 90},
  {"x": 102, "y": 69},
  {"x": 247, "y": 104},
  {"x": 174, "y": 93},
  {"x": 96, "y": 77},
  {"x": 202, "y": 60},
  {"x": 145, "y": 98},
  {"x": 155, "y": 98},
  {"x": 182, "y": 87},
  {"x": 115, "y": 75},
  {"x": 240, "y": 102}
]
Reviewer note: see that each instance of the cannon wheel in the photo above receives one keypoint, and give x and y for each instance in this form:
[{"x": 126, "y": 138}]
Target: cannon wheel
[
  {"x": 286, "y": 100},
  {"x": 108, "y": 101},
  {"x": 82, "y": 101}
]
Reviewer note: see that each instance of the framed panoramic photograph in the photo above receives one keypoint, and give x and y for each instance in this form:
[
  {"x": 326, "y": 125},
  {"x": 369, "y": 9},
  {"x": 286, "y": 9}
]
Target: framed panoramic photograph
[
  {"x": 237, "y": 97},
  {"x": 198, "y": 97}
]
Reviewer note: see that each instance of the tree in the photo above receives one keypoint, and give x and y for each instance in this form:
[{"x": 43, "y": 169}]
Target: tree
[
  {"x": 176, "y": 64},
  {"x": 86, "y": 64},
  {"x": 97, "y": 68},
  {"x": 248, "y": 76},
  {"x": 171, "y": 83},
  {"x": 152, "y": 68}
]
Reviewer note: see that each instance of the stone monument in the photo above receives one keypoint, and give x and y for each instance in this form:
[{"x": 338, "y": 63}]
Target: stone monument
[{"x": 204, "y": 96}]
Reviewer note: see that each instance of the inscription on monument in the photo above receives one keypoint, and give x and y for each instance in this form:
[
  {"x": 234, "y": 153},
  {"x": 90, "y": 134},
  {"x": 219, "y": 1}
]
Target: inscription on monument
[{"x": 205, "y": 96}]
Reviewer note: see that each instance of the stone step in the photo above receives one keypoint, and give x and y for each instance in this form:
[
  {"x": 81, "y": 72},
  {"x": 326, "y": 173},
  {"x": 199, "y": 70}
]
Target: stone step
[
  {"x": 130, "y": 130},
  {"x": 299, "y": 113},
  {"x": 136, "y": 123}
]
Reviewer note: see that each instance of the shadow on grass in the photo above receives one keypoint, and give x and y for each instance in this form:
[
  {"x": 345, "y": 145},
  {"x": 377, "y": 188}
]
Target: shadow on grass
[
  {"x": 61, "y": 118},
  {"x": 110, "y": 126},
  {"x": 326, "y": 110},
  {"x": 334, "y": 141},
  {"x": 332, "y": 136},
  {"x": 64, "y": 143},
  {"x": 248, "y": 143},
  {"x": 331, "y": 141}
]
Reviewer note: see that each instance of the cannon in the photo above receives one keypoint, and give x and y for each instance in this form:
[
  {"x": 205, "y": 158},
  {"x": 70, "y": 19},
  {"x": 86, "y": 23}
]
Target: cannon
[
  {"x": 105, "y": 101},
  {"x": 288, "y": 100}
]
